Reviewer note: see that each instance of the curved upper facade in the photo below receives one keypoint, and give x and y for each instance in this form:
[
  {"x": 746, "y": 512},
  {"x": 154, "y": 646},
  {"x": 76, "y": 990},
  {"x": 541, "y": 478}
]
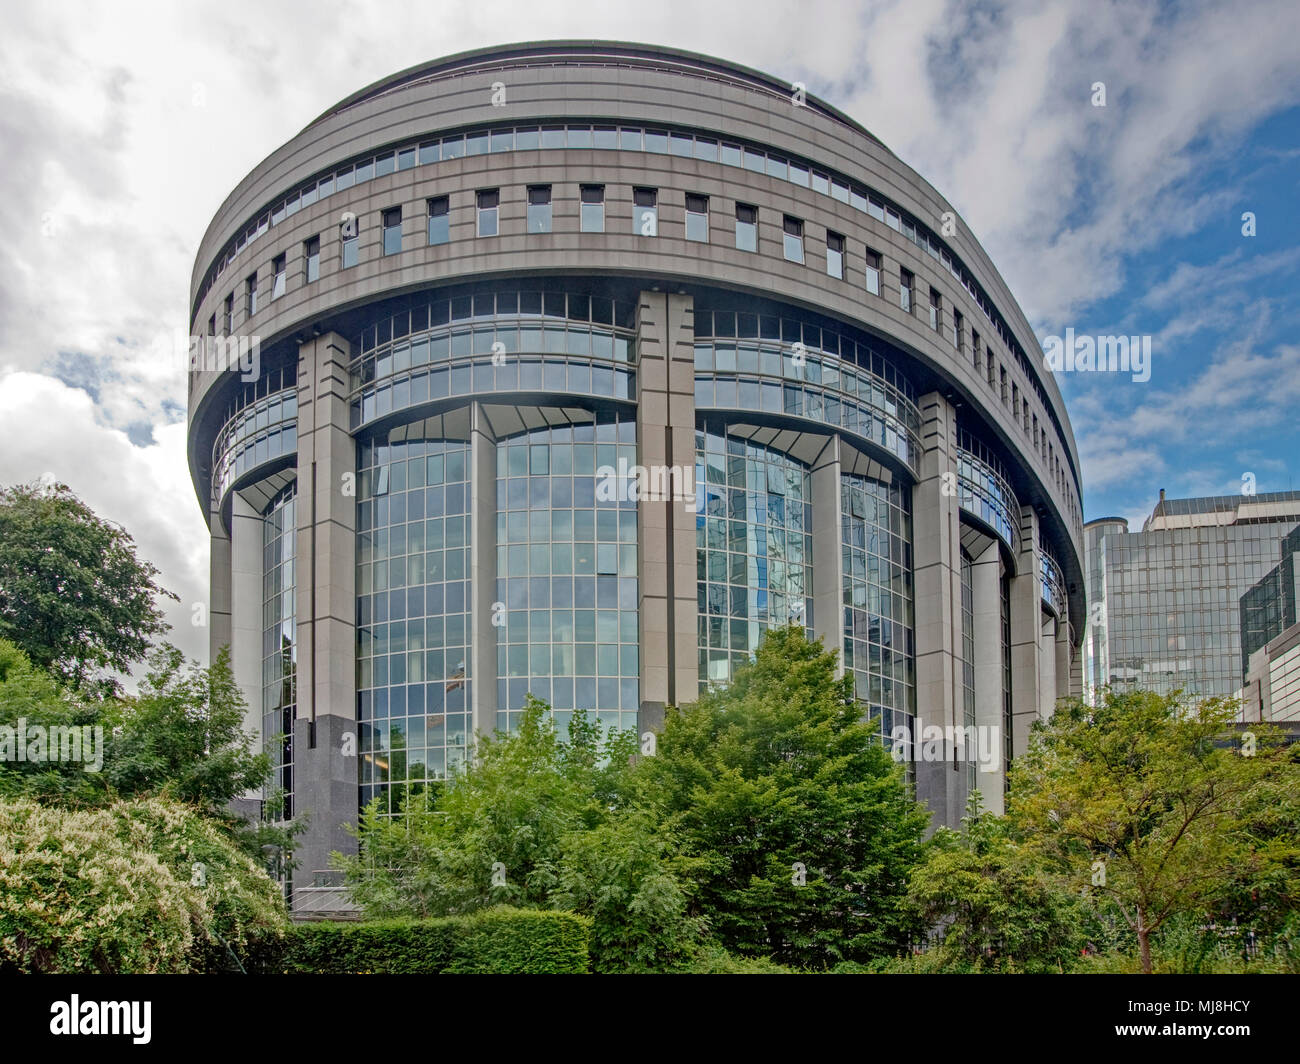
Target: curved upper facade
[
  {"x": 626, "y": 88},
  {"x": 477, "y": 287}
]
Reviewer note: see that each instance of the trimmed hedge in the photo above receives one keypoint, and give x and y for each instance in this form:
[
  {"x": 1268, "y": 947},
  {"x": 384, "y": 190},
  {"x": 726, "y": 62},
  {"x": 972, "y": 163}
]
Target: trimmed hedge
[{"x": 494, "y": 941}]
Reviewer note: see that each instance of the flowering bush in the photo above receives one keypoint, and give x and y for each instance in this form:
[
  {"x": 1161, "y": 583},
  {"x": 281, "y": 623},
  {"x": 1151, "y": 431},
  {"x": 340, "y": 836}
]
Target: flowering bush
[{"x": 138, "y": 886}]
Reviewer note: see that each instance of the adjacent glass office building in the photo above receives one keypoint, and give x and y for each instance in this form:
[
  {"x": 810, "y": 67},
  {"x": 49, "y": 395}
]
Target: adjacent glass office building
[
  {"x": 1172, "y": 614},
  {"x": 1270, "y": 640},
  {"x": 477, "y": 325}
]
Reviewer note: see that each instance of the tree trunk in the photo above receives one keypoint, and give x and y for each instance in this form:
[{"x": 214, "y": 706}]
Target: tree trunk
[{"x": 1144, "y": 942}]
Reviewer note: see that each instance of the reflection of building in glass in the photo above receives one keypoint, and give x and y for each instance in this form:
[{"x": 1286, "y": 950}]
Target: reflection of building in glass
[
  {"x": 1094, "y": 639},
  {"x": 1171, "y": 594},
  {"x": 1270, "y": 639},
  {"x": 467, "y": 314}
]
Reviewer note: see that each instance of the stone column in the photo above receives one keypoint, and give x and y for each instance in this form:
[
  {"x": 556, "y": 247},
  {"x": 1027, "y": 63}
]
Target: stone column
[
  {"x": 936, "y": 546},
  {"x": 665, "y": 432},
  {"x": 1065, "y": 661},
  {"x": 986, "y": 579},
  {"x": 245, "y": 619},
  {"x": 219, "y": 586},
  {"x": 325, "y": 733},
  {"x": 1047, "y": 683},
  {"x": 1026, "y": 634}
]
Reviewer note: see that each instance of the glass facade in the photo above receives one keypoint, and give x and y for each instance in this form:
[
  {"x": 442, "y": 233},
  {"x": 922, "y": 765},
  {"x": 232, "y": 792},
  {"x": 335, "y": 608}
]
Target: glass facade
[
  {"x": 878, "y": 623},
  {"x": 507, "y": 341},
  {"x": 785, "y": 366},
  {"x": 279, "y": 640},
  {"x": 261, "y": 424},
  {"x": 1269, "y": 608},
  {"x": 1053, "y": 587},
  {"x": 753, "y": 538},
  {"x": 984, "y": 490},
  {"x": 1096, "y": 653},
  {"x": 413, "y": 612},
  {"x": 567, "y": 574},
  {"x": 1174, "y": 591}
]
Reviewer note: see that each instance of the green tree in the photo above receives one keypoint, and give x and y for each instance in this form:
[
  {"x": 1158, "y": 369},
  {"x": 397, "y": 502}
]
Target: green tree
[
  {"x": 990, "y": 908},
  {"x": 30, "y": 694},
  {"x": 73, "y": 594},
  {"x": 802, "y": 827},
  {"x": 180, "y": 736},
  {"x": 537, "y": 821},
  {"x": 1146, "y": 801}
]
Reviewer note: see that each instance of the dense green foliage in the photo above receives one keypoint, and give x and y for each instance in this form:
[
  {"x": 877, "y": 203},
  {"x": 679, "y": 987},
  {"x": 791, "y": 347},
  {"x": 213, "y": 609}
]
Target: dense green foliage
[
  {"x": 181, "y": 736},
  {"x": 778, "y": 778},
  {"x": 534, "y": 821},
  {"x": 679, "y": 857},
  {"x": 991, "y": 907},
  {"x": 497, "y": 940},
  {"x": 137, "y": 886},
  {"x": 1148, "y": 803},
  {"x": 73, "y": 594}
]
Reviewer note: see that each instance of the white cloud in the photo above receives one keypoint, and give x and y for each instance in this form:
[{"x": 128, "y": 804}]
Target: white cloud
[{"x": 51, "y": 429}]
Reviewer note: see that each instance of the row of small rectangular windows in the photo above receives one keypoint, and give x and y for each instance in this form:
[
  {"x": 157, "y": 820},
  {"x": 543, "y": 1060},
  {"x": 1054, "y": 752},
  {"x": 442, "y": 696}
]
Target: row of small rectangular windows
[
  {"x": 664, "y": 142},
  {"x": 646, "y": 223}
]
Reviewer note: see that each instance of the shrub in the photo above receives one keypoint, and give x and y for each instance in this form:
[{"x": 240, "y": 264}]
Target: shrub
[
  {"x": 138, "y": 886},
  {"x": 502, "y": 940}
]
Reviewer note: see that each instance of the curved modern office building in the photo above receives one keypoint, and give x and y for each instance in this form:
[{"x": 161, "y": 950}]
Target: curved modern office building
[{"x": 477, "y": 287}]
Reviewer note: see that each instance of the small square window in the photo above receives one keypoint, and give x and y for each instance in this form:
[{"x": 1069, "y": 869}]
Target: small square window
[
  {"x": 350, "y": 236},
  {"x": 645, "y": 215},
  {"x": 834, "y": 255},
  {"x": 539, "y": 208},
  {"x": 488, "y": 201},
  {"x": 439, "y": 220},
  {"x": 392, "y": 219},
  {"x": 592, "y": 210},
  {"x": 311, "y": 259},
  {"x": 873, "y": 272},
  {"x": 697, "y": 218},
  {"x": 793, "y": 239},
  {"x": 746, "y": 227}
]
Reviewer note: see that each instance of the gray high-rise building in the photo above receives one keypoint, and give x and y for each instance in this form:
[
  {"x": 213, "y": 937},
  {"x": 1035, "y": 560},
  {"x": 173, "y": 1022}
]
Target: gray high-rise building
[
  {"x": 1165, "y": 610},
  {"x": 1270, "y": 640},
  {"x": 484, "y": 289}
]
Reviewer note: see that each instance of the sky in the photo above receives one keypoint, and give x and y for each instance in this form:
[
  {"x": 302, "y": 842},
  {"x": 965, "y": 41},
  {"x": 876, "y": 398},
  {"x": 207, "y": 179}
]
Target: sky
[{"x": 123, "y": 127}]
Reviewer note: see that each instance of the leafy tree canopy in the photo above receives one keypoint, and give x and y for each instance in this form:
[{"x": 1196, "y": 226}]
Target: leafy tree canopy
[
  {"x": 1153, "y": 804},
  {"x": 801, "y": 824},
  {"x": 73, "y": 593}
]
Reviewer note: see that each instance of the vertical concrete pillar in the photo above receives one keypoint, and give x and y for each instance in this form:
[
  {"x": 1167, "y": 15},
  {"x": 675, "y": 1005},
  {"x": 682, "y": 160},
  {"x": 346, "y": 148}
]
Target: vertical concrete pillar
[
  {"x": 1065, "y": 661},
  {"x": 665, "y": 433},
  {"x": 1047, "y": 668},
  {"x": 325, "y": 733},
  {"x": 936, "y": 547},
  {"x": 219, "y": 586},
  {"x": 245, "y": 546},
  {"x": 483, "y": 573},
  {"x": 828, "y": 553},
  {"x": 986, "y": 576},
  {"x": 1026, "y": 634}
]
